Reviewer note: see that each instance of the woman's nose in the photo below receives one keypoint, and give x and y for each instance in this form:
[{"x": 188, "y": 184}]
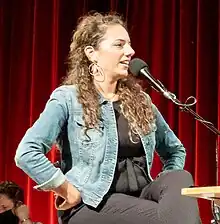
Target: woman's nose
[{"x": 129, "y": 51}]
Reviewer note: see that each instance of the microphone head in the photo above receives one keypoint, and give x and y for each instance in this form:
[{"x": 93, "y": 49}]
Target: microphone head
[{"x": 136, "y": 65}]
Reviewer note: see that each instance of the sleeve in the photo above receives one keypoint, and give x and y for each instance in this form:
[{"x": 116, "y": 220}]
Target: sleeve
[
  {"x": 38, "y": 140},
  {"x": 168, "y": 146}
]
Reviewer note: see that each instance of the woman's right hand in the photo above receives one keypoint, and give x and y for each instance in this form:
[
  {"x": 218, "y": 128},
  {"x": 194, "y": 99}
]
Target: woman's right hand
[
  {"x": 66, "y": 196},
  {"x": 22, "y": 212}
]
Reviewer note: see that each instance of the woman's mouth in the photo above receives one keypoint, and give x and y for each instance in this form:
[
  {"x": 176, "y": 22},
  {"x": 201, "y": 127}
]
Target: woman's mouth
[{"x": 125, "y": 63}]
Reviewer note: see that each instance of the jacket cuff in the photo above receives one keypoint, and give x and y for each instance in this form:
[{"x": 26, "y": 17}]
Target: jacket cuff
[{"x": 55, "y": 181}]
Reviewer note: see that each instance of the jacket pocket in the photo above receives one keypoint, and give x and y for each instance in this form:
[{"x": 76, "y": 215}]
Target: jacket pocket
[{"x": 87, "y": 136}]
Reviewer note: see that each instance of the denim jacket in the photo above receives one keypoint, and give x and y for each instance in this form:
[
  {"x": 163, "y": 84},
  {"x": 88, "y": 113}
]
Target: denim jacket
[{"x": 89, "y": 160}]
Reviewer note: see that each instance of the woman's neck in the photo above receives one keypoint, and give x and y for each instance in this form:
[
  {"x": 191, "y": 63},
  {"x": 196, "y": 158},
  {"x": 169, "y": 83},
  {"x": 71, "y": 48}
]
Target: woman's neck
[{"x": 107, "y": 89}]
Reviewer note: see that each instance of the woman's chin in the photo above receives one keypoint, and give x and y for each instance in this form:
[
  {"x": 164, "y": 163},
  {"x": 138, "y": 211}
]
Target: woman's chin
[{"x": 123, "y": 74}]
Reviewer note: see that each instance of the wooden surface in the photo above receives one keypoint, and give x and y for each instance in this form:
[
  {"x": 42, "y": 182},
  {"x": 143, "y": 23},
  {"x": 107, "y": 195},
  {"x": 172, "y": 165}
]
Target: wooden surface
[{"x": 209, "y": 193}]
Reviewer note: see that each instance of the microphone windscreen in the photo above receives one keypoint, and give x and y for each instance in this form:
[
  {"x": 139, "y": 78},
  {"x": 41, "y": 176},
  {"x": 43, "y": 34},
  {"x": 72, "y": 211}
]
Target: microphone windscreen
[{"x": 136, "y": 65}]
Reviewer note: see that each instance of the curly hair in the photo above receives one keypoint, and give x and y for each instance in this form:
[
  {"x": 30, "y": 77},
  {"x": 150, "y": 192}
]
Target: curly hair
[
  {"x": 135, "y": 106},
  {"x": 12, "y": 191}
]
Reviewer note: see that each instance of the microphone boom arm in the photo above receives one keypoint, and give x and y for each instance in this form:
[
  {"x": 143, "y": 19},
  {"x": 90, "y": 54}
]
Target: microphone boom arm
[{"x": 186, "y": 107}]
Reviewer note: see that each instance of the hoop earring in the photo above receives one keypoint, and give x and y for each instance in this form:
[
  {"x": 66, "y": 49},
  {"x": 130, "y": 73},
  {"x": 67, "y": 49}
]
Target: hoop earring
[{"x": 96, "y": 71}]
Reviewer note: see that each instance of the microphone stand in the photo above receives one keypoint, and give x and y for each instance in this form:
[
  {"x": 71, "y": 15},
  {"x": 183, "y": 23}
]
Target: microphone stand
[
  {"x": 186, "y": 107},
  {"x": 159, "y": 87}
]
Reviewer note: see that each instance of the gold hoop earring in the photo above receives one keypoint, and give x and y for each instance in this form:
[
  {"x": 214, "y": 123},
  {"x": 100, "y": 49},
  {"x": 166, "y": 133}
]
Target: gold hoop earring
[{"x": 96, "y": 71}]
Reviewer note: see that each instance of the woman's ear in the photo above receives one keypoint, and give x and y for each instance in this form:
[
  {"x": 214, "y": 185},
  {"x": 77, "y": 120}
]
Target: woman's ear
[{"x": 90, "y": 53}]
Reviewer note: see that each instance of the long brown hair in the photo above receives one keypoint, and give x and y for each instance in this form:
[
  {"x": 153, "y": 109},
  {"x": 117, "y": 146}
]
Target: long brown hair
[{"x": 136, "y": 107}]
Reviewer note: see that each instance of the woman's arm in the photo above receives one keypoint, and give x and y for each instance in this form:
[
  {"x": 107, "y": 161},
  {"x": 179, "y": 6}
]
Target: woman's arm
[
  {"x": 168, "y": 146},
  {"x": 38, "y": 140}
]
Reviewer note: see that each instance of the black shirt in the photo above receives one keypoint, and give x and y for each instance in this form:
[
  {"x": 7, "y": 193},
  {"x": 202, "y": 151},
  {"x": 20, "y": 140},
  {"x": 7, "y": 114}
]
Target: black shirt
[
  {"x": 126, "y": 147},
  {"x": 8, "y": 217},
  {"x": 130, "y": 175}
]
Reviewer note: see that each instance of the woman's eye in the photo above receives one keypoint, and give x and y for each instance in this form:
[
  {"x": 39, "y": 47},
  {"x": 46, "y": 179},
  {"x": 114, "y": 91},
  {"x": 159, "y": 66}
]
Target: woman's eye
[{"x": 119, "y": 45}]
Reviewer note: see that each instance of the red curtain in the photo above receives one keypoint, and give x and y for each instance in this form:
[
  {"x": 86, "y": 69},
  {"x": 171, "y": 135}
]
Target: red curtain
[{"x": 179, "y": 39}]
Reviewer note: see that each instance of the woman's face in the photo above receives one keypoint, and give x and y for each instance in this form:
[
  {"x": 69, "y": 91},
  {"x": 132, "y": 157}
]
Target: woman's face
[
  {"x": 5, "y": 203},
  {"x": 114, "y": 53}
]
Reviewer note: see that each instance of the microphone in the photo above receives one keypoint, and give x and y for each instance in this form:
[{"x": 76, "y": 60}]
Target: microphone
[{"x": 139, "y": 67}]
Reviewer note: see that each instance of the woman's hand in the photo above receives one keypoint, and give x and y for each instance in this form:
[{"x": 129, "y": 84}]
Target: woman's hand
[
  {"x": 22, "y": 212},
  {"x": 66, "y": 196}
]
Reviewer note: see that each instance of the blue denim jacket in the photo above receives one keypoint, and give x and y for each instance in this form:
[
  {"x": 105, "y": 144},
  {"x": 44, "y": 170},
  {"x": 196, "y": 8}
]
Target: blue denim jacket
[{"x": 91, "y": 158}]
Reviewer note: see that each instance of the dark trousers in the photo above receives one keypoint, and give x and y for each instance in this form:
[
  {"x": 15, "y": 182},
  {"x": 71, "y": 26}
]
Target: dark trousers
[{"x": 160, "y": 202}]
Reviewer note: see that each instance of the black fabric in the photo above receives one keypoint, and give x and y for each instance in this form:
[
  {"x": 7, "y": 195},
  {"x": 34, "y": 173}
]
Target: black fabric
[
  {"x": 126, "y": 148},
  {"x": 8, "y": 218},
  {"x": 130, "y": 176},
  {"x": 160, "y": 202}
]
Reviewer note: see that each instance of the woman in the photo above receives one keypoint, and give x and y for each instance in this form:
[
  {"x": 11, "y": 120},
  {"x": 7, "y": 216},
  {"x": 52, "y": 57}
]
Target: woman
[
  {"x": 12, "y": 207},
  {"x": 107, "y": 129}
]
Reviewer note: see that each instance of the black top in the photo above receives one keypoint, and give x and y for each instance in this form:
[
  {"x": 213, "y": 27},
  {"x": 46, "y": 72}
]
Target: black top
[
  {"x": 130, "y": 175},
  {"x": 8, "y": 217},
  {"x": 126, "y": 148}
]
